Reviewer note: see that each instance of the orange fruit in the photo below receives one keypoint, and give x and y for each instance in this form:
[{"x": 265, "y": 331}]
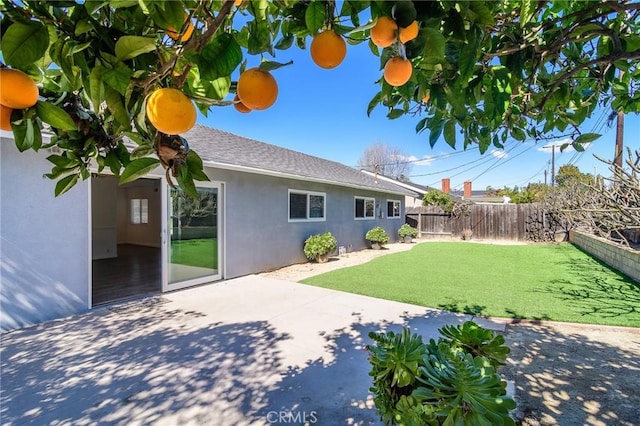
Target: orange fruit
[
  {"x": 239, "y": 106},
  {"x": 237, "y": 2},
  {"x": 5, "y": 117},
  {"x": 257, "y": 89},
  {"x": 175, "y": 34},
  {"x": 408, "y": 33},
  {"x": 397, "y": 71},
  {"x": 426, "y": 98},
  {"x": 170, "y": 111},
  {"x": 383, "y": 33},
  {"x": 328, "y": 49},
  {"x": 17, "y": 89}
]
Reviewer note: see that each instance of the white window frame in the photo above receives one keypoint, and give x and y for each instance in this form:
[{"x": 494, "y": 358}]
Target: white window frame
[
  {"x": 399, "y": 209},
  {"x": 365, "y": 199},
  {"x": 308, "y": 194},
  {"x": 139, "y": 211}
]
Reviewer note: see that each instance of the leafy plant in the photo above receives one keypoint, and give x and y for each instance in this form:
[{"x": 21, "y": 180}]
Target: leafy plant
[
  {"x": 438, "y": 198},
  {"x": 449, "y": 382},
  {"x": 377, "y": 235},
  {"x": 319, "y": 245},
  {"x": 407, "y": 230}
]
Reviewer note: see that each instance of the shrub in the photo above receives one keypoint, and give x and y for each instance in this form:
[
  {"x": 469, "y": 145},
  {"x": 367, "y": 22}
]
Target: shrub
[
  {"x": 407, "y": 230},
  {"x": 451, "y": 381},
  {"x": 377, "y": 235},
  {"x": 438, "y": 198},
  {"x": 319, "y": 245}
]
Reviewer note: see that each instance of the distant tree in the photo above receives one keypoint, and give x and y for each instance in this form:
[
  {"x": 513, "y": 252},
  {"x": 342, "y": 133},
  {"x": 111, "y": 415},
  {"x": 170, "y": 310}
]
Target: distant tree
[
  {"x": 568, "y": 174},
  {"x": 387, "y": 160},
  {"x": 533, "y": 193}
]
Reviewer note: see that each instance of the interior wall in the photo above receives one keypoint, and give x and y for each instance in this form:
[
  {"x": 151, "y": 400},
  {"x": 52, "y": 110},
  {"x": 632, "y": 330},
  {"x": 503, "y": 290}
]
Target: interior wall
[
  {"x": 144, "y": 234},
  {"x": 104, "y": 192}
]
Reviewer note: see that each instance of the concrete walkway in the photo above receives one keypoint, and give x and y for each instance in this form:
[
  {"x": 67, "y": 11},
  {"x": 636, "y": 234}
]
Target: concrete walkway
[{"x": 252, "y": 350}]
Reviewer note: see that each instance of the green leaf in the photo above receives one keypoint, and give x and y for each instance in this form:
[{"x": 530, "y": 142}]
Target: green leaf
[
  {"x": 586, "y": 138},
  {"x": 128, "y": 47},
  {"x": 219, "y": 57},
  {"x": 259, "y": 37},
  {"x": 138, "y": 168},
  {"x": 314, "y": 16},
  {"x": 273, "y": 65},
  {"x": 63, "y": 162},
  {"x": 96, "y": 87},
  {"x": 196, "y": 167},
  {"x": 118, "y": 78},
  {"x": 434, "y": 48},
  {"x": 285, "y": 42},
  {"x": 24, "y": 134},
  {"x": 117, "y": 108},
  {"x": 65, "y": 184},
  {"x": 185, "y": 180},
  {"x": 450, "y": 133},
  {"x": 24, "y": 43},
  {"x": 395, "y": 113},
  {"x": 55, "y": 116}
]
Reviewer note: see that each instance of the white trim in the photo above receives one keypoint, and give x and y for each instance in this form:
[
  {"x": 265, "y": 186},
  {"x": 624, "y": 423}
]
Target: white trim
[
  {"x": 171, "y": 286},
  {"x": 390, "y": 200},
  {"x": 90, "y": 244},
  {"x": 410, "y": 187},
  {"x": 308, "y": 194},
  {"x": 248, "y": 169},
  {"x": 365, "y": 217}
]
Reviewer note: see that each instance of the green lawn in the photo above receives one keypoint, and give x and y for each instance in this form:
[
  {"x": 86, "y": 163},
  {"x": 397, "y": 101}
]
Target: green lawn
[
  {"x": 546, "y": 282},
  {"x": 197, "y": 252}
]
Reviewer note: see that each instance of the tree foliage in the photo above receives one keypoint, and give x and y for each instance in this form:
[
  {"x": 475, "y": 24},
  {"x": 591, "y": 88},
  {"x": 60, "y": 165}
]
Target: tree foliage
[
  {"x": 493, "y": 70},
  {"x": 569, "y": 174},
  {"x": 387, "y": 160}
]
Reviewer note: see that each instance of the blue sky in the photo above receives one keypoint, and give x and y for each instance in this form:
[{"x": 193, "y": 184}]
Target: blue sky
[{"x": 323, "y": 113}]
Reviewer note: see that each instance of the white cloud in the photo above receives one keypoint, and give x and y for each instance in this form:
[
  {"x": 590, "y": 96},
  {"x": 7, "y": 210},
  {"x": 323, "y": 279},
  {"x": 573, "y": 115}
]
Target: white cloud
[
  {"x": 424, "y": 161},
  {"x": 547, "y": 148},
  {"x": 498, "y": 153}
]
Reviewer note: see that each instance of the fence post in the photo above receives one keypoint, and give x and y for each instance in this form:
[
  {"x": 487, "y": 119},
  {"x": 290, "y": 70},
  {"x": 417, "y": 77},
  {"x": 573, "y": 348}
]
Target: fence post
[{"x": 419, "y": 224}]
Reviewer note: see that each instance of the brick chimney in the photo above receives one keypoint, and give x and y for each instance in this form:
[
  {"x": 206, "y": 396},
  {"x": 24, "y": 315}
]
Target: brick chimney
[
  {"x": 446, "y": 185},
  {"x": 467, "y": 189}
]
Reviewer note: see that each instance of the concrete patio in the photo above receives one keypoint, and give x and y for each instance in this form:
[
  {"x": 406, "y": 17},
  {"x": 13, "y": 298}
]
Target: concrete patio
[{"x": 248, "y": 351}]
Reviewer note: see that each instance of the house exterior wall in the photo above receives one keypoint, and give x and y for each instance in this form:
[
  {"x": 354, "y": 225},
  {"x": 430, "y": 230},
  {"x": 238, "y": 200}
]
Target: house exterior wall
[
  {"x": 44, "y": 242},
  {"x": 259, "y": 236}
]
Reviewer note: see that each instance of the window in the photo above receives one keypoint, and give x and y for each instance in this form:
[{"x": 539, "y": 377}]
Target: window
[
  {"x": 393, "y": 208},
  {"x": 365, "y": 208},
  {"x": 139, "y": 211},
  {"x": 305, "y": 205}
]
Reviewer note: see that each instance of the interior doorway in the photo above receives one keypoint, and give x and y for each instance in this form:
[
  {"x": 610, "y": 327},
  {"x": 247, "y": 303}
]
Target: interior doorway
[{"x": 126, "y": 224}]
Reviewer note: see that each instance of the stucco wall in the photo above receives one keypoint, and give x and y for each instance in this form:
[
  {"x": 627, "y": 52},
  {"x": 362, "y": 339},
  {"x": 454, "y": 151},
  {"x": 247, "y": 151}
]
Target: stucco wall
[
  {"x": 44, "y": 244},
  {"x": 622, "y": 258},
  {"x": 259, "y": 236}
]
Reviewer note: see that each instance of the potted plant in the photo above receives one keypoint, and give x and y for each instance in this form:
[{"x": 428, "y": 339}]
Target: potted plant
[
  {"x": 407, "y": 233},
  {"x": 318, "y": 247},
  {"x": 378, "y": 237},
  {"x": 467, "y": 234},
  {"x": 453, "y": 380}
]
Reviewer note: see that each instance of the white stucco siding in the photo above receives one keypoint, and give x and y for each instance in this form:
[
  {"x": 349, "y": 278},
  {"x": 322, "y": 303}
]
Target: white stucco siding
[{"x": 44, "y": 241}]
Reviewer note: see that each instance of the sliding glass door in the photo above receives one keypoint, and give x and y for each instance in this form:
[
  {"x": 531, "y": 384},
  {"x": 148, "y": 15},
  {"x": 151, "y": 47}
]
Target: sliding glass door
[{"x": 193, "y": 242}]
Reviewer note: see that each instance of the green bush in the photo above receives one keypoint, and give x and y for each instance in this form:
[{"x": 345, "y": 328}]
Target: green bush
[
  {"x": 452, "y": 381},
  {"x": 438, "y": 198},
  {"x": 407, "y": 230},
  {"x": 377, "y": 235},
  {"x": 319, "y": 245}
]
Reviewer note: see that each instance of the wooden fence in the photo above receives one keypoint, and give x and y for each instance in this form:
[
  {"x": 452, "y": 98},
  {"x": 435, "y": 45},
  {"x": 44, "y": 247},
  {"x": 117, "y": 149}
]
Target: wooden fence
[{"x": 520, "y": 222}]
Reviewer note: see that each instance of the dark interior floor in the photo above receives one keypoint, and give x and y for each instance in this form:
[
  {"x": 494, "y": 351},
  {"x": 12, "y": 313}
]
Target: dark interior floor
[{"x": 136, "y": 271}]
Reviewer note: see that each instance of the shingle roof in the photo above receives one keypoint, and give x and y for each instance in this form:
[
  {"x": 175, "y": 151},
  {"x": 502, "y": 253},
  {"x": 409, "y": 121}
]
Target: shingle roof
[{"x": 226, "y": 150}]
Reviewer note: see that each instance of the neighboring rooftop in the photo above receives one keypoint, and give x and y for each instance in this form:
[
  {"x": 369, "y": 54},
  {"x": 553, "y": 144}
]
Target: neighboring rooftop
[{"x": 226, "y": 150}]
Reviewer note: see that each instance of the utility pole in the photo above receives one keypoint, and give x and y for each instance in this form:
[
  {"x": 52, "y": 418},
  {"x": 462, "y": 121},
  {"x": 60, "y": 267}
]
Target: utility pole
[
  {"x": 545, "y": 176},
  {"x": 553, "y": 165},
  {"x": 617, "y": 159}
]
